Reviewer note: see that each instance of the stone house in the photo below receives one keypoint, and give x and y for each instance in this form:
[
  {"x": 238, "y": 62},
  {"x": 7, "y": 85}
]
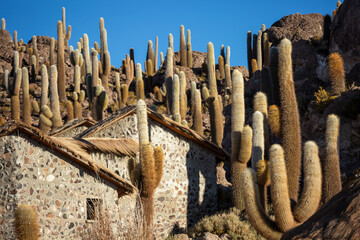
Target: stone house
[
  {"x": 59, "y": 177},
  {"x": 188, "y": 188}
]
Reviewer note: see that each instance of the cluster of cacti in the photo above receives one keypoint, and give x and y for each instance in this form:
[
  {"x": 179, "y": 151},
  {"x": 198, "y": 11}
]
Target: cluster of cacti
[
  {"x": 77, "y": 95},
  {"x": 26, "y": 223}
]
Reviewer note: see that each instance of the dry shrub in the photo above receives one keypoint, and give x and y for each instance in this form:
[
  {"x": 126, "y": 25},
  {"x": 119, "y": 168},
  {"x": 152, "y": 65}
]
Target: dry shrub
[{"x": 233, "y": 222}]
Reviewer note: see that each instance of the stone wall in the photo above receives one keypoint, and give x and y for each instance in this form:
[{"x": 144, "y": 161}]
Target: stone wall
[
  {"x": 72, "y": 132},
  {"x": 188, "y": 189},
  {"x": 57, "y": 187}
]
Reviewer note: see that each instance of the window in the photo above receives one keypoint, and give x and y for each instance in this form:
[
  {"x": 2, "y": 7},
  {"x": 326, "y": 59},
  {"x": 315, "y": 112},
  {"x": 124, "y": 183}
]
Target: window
[{"x": 93, "y": 208}]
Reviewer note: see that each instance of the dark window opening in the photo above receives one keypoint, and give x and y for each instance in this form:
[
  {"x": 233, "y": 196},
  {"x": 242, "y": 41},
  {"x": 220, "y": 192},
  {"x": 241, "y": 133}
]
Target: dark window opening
[{"x": 93, "y": 207}]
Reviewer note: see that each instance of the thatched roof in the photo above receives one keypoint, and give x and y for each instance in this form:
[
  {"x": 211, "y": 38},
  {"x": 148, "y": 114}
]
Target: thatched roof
[
  {"x": 88, "y": 122},
  {"x": 77, "y": 151},
  {"x": 167, "y": 122},
  {"x": 339, "y": 218}
]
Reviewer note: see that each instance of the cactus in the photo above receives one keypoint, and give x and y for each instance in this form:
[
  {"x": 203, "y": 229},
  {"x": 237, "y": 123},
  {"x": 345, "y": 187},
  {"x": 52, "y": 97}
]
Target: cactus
[
  {"x": 106, "y": 70},
  {"x": 169, "y": 72},
  {"x": 261, "y": 105},
  {"x": 263, "y": 179},
  {"x": 205, "y": 92},
  {"x": 189, "y": 51},
  {"x": 228, "y": 85},
  {"x": 103, "y": 39},
  {"x": 94, "y": 84},
  {"x": 285, "y": 218},
  {"x": 3, "y": 24},
  {"x": 336, "y": 73},
  {"x": 70, "y": 110},
  {"x": 221, "y": 67},
  {"x": 183, "y": 98},
  {"x": 54, "y": 98},
  {"x": 258, "y": 149},
  {"x": 254, "y": 44},
  {"x": 150, "y": 54},
  {"x": 140, "y": 92},
  {"x": 176, "y": 98},
  {"x": 149, "y": 71},
  {"x": 254, "y": 66},
  {"x": 171, "y": 42},
  {"x": 61, "y": 62},
  {"x": 36, "y": 53},
  {"x": 52, "y": 51},
  {"x": 156, "y": 53},
  {"x": 274, "y": 67},
  {"x": 249, "y": 53},
  {"x": 67, "y": 35},
  {"x": 183, "y": 54},
  {"x": 15, "y": 92},
  {"x": 6, "y": 82},
  {"x": 331, "y": 169},
  {"x": 266, "y": 84},
  {"x": 129, "y": 70},
  {"x": 161, "y": 58},
  {"x": 44, "y": 98},
  {"x": 118, "y": 88},
  {"x": 76, "y": 93},
  {"x": 274, "y": 119},
  {"x": 26, "y": 223},
  {"x": 88, "y": 66},
  {"x": 124, "y": 94},
  {"x": 16, "y": 61},
  {"x": 26, "y": 111},
  {"x": 45, "y": 121},
  {"x": 259, "y": 54},
  {"x": 151, "y": 166},
  {"x": 290, "y": 121},
  {"x": 237, "y": 125},
  {"x": 227, "y": 56},
  {"x": 16, "y": 45},
  {"x": 266, "y": 50},
  {"x": 192, "y": 91},
  {"x": 157, "y": 94},
  {"x": 197, "y": 116}
]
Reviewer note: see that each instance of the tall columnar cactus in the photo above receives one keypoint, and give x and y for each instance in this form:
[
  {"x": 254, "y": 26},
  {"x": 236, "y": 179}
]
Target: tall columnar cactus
[
  {"x": 169, "y": 72},
  {"x": 156, "y": 54},
  {"x": 103, "y": 39},
  {"x": 118, "y": 88},
  {"x": 36, "y": 53},
  {"x": 15, "y": 92},
  {"x": 129, "y": 70},
  {"x": 274, "y": 120},
  {"x": 290, "y": 121},
  {"x": 259, "y": 54},
  {"x": 274, "y": 69},
  {"x": 183, "y": 98},
  {"x": 161, "y": 58},
  {"x": 258, "y": 148},
  {"x": 151, "y": 166},
  {"x": 33, "y": 68},
  {"x": 26, "y": 223},
  {"x": 221, "y": 67},
  {"x": 266, "y": 50},
  {"x": 175, "y": 112},
  {"x": 67, "y": 35},
  {"x": 6, "y": 82},
  {"x": 52, "y": 52},
  {"x": 197, "y": 116},
  {"x": 77, "y": 94},
  {"x": 249, "y": 52},
  {"x": 16, "y": 60},
  {"x": 54, "y": 98},
  {"x": 140, "y": 92},
  {"x": 266, "y": 84},
  {"x": 227, "y": 59},
  {"x": 106, "y": 70},
  {"x": 285, "y": 218},
  {"x": 261, "y": 105},
  {"x": 124, "y": 94},
  {"x": 216, "y": 117},
  {"x": 263, "y": 179},
  {"x": 26, "y": 111},
  {"x": 189, "y": 51},
  {"x": 61, "y": 62},
  {"x": 150, "y": 53},
  {"x": 192, "y": 92},
  {"x": 238, "y": 151},
  {"x": 86, "y": 53},
  {"x": 337, "y": 73},
  {"x": 254, "y": 48},
  {"x": 183, "y": 55},
  {"x": 254, "y": 65},
  {"x": 3, "y": 24},
  {"x": 228, "y": 85},
  {"x": 44, "y": 100},
  {"x": 331, "y": 168},
  {"x": 16, "y": 45}
]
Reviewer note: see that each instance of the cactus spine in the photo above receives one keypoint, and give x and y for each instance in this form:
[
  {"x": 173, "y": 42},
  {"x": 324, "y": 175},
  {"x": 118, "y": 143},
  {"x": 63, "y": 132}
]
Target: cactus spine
[
  {"x": 15, "y": 92},
  {"x": 331, "y": 168},
  {"x": 183, "y": 55},
  {"x": 189, "y": 51},
  {"x": 26, "y": 223},
  {"x": 337, "y": 73},
  {"x": 61, "y": 62},
  {"x": 290, "y": 121},
  {"x": 54, "y": 98},
  {"x": 26, "y": 96}
]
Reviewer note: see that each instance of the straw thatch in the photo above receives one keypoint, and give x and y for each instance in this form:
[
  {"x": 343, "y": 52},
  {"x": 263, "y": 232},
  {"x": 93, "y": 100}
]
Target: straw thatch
[
  {"x": 78, "y": 122},
  {"x": 169, "y": 123},
  {"x": 74, "y": 152}
]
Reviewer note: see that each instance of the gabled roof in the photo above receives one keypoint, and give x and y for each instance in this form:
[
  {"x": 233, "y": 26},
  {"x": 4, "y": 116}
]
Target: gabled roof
[
  {"x": 78, "y": 150},
  {"x": 167, "y": 122},
  {"x": 78, "y": 122}
]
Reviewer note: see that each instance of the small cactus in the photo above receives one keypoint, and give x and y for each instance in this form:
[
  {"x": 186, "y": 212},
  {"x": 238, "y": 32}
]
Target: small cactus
[{"x": 337, "y": 73}]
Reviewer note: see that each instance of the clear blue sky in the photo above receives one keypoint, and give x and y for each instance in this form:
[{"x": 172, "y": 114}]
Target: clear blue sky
[{"x": 133, "y": 23}]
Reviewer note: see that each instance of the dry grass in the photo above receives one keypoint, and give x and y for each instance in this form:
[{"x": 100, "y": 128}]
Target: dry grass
[{"x": 233, "y": 222}]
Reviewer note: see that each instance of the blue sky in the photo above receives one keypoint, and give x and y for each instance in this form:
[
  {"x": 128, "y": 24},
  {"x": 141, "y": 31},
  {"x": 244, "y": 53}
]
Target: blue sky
[{"x": 133, "y": 23}]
